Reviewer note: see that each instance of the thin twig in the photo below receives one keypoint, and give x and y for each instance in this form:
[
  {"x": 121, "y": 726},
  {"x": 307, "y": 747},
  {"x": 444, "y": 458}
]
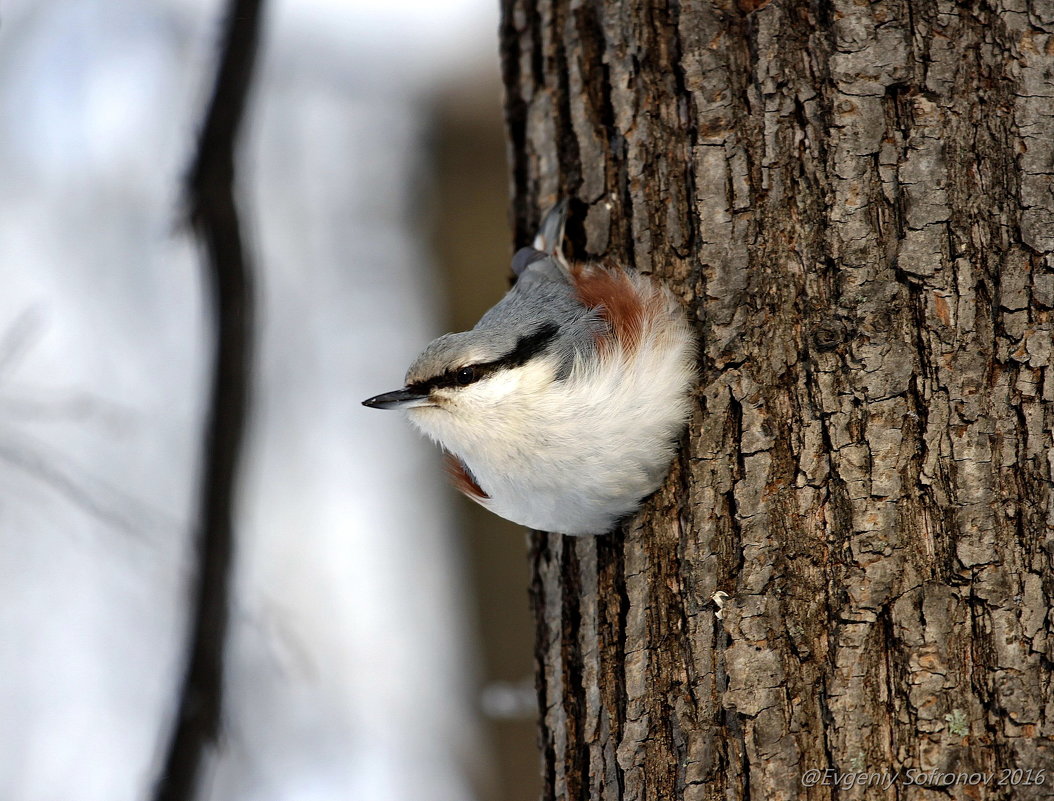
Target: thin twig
[{"x": 213, "y": 214}]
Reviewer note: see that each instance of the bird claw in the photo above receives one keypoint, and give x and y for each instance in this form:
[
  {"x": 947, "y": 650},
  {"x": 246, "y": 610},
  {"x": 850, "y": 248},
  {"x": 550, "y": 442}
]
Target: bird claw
[{"x": 719, "y": 601}]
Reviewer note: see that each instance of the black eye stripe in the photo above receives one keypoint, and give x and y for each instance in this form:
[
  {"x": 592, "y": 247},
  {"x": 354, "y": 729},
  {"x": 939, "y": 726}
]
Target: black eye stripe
[{"x": 527, "y": 347}]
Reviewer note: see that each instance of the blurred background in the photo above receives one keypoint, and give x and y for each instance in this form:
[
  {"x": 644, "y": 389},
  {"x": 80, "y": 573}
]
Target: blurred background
[{"x": 380, "y": 645}]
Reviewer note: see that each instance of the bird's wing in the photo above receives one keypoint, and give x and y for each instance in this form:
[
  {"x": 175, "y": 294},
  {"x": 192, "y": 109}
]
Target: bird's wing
[{"x": 597, "y": 307}]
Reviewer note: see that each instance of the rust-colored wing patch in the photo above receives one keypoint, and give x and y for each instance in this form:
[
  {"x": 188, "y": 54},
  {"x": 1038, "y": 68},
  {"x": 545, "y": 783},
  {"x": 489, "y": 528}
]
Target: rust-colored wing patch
[
  {"x": 463, "y": 479},
  {"x": 619, "y": 299}
]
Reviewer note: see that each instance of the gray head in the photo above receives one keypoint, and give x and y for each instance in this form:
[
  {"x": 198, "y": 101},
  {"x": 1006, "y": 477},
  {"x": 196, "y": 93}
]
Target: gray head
[
  {"x": 456, "y": 361},
  {"x": 535, "y": 332}
]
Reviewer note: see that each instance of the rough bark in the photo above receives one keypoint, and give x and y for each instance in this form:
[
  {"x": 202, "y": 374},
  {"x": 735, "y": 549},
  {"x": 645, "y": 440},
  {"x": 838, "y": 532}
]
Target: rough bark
[{"x": 854, "y": 200}]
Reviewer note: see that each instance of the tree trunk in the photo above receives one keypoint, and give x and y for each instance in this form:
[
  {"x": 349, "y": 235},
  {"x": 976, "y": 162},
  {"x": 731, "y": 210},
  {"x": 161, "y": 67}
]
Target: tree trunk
[{"x": 854, "y": 200}]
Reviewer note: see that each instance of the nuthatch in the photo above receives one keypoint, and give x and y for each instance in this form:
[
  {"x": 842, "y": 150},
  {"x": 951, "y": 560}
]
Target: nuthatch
[{"x": 562, "y": 408}]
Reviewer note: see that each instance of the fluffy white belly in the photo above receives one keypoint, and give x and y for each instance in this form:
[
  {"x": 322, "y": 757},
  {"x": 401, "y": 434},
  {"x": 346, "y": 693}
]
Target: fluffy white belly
[
  {"x": 569, "y": 512},
  {"x": 582, "y": 485}
]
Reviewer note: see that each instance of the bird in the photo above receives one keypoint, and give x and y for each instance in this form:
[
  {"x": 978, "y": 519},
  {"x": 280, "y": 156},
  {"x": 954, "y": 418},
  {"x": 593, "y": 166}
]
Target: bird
[{"x": 561, "y": 410}]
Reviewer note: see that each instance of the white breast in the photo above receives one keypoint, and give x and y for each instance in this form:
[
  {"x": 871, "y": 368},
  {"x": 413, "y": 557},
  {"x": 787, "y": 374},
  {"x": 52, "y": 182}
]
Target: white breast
[{"x": 574, "y": 456}]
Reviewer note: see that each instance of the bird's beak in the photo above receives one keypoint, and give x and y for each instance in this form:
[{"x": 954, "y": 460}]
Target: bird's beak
[{"x": 400, "y": 399}]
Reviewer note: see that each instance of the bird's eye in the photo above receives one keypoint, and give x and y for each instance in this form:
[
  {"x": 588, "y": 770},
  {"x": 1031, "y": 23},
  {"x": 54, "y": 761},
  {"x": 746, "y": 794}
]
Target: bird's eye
[{"x": 466, "y": 375}]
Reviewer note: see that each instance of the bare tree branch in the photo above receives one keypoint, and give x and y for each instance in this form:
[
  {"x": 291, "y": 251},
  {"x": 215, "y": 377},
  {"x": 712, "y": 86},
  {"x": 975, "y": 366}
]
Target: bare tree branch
[{"x": 213, "y": 214}]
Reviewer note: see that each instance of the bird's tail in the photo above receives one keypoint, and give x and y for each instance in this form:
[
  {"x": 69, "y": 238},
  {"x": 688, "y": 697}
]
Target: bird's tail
[
  {"x": 550, "y": 234},
  {"x": 547, "y": 243}
]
